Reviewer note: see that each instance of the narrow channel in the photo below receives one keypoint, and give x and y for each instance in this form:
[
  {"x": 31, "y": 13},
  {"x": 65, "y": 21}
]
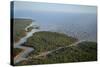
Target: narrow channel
[{"x": 26, "y": 50}]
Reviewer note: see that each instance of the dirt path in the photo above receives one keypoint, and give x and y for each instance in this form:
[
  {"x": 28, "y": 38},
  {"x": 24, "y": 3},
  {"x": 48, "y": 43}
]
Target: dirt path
[{"x": 48, "y": 52}]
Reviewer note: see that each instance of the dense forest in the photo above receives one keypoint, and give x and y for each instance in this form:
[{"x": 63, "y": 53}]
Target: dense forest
[{"x": 45, "y": 41}]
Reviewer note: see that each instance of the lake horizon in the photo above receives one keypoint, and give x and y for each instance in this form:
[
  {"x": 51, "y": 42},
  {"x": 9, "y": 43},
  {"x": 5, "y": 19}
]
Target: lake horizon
[{"x": 79, "y": 25}]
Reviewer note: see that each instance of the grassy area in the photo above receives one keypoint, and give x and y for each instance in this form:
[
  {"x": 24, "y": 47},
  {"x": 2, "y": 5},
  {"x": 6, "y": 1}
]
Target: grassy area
[
  {"x": 16, "y": 51},
  {"x": 85, "y": 51},
  {"x": 45, "y": 41},
  {"x": 19, "y": 28}
]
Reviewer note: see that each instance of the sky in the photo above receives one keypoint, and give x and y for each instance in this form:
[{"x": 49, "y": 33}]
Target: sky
[{"x": 52, "y": 7}]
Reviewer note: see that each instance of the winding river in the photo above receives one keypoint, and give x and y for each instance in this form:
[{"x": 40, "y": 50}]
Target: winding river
[{"x": 26, "y": 50}]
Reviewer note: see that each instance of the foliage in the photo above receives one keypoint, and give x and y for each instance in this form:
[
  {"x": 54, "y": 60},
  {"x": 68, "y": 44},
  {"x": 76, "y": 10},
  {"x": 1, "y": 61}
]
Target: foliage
[
  {"x": 30, "y": 28},
  {"x": 45, "y": 41},
  {"x": 85, "y": 51}
]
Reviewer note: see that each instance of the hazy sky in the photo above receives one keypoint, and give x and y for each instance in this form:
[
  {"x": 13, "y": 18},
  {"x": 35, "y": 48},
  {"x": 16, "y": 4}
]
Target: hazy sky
[{"x": 34, "y": 6}]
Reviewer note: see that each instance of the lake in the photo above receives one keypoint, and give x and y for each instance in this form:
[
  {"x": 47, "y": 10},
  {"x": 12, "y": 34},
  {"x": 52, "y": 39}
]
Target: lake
[{"x": 80, "y": 25}]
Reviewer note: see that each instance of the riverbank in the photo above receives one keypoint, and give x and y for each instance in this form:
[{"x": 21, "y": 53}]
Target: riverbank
[
  {"x": 22, "y": 51},
  {"x": 46, "y": 47},
  {"x": 19, "y": 28}
]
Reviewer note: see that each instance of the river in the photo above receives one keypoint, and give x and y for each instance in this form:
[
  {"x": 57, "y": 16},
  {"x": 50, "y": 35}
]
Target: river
[{"x": 26, "y": 50}]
